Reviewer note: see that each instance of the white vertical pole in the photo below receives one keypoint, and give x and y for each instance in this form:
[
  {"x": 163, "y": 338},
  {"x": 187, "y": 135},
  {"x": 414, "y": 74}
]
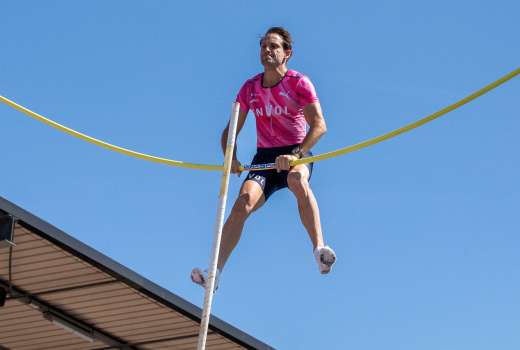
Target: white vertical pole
[{"x": 208, "y": 297}]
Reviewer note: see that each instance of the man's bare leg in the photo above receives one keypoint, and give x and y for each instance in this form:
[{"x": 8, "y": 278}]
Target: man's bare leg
[
  {"x": 298, "y": 181},
  {"x": 250, "y": 198}
]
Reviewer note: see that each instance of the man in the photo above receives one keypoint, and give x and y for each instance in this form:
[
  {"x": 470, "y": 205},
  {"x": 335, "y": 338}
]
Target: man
[{"x": 283, "y": 102}]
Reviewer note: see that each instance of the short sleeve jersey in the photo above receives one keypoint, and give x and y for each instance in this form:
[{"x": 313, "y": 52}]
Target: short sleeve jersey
[{"x": 278, "y": 109}]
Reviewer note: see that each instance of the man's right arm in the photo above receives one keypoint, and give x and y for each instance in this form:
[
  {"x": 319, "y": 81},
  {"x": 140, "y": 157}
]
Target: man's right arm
[{"x": 235, "y": 167}]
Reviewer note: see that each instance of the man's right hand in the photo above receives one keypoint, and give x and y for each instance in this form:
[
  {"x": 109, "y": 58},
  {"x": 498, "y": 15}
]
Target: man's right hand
[{"x": 235, "y": 167}]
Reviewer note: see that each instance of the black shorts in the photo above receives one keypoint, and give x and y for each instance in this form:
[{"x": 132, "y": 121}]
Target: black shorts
[{"x": 271, "y": 180}]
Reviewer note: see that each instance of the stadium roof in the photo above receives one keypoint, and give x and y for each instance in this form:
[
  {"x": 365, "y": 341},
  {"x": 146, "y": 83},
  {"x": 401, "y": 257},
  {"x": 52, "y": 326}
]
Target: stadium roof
[{"x": 64, "y": 295}]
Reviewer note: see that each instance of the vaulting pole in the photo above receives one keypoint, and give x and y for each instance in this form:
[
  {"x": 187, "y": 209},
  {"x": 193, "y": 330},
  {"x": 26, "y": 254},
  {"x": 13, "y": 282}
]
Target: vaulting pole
[{"x": 224, "y": 184}]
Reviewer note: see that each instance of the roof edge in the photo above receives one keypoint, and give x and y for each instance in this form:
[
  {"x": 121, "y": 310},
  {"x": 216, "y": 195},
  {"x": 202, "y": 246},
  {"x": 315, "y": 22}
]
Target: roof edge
[{"x": 119, "y": 271}]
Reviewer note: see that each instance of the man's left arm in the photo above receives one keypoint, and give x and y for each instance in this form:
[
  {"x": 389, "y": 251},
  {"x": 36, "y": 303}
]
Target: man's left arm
[{"x": 317, "y": 127}]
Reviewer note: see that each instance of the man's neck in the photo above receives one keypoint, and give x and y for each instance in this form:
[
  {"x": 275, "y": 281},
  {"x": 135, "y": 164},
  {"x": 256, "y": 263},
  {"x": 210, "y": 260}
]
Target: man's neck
[{"x": 273, "y": 75}]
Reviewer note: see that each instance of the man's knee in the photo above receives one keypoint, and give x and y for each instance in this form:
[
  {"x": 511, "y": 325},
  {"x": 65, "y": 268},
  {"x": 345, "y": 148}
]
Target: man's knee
[
  {"x": 244, "y": 205},
  {"x": 297, "y": 182}
]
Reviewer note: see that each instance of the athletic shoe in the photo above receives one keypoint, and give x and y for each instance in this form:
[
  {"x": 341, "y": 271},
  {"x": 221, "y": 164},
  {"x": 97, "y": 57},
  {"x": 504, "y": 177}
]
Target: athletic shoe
[
  {"x": 325, "y": 257},
  {"x": 201, "y": 278}
]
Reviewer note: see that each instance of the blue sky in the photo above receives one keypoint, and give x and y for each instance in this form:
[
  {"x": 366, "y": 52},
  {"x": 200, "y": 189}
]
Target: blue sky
[{"x": 424, "y": 225}]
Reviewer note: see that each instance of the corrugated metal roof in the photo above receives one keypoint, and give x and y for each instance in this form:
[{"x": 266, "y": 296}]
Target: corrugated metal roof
[{"x": 65, "y": 295}]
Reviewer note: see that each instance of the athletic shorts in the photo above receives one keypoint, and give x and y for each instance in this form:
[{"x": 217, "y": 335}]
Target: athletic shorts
[{"x": 271, "y": 180}]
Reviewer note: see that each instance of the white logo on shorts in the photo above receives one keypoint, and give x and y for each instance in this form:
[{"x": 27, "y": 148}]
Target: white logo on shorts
[{"x": 258, "y": 178}]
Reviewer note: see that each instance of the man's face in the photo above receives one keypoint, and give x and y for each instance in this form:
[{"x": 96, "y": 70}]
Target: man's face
[{"x": 272, "y": 53}]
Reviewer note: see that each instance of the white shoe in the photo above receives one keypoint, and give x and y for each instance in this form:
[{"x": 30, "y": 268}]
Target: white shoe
[
  {"x": 201, "y": 278},
  {"x": 325, "y": 257}
]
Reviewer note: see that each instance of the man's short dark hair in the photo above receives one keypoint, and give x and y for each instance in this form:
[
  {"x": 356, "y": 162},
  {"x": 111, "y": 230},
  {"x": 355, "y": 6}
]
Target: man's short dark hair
[{"x": 286, "y": 36}]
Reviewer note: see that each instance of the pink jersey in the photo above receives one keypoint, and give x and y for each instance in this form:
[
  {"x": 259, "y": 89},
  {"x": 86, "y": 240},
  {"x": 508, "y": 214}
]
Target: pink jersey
[{"x": 278, "y": 109}]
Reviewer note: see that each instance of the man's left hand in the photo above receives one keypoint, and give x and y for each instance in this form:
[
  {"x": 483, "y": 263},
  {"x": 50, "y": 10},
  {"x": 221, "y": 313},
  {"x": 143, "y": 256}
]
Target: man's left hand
[{"x": 283, "y": 162}]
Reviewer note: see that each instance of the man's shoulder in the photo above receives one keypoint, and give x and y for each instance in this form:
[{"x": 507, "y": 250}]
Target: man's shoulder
[
  {"x": 251, "y": 82},
  {"x": 295, "y": 78},
  {"x": 294, "y": 74},
  {"x": 254, "y": 79}
]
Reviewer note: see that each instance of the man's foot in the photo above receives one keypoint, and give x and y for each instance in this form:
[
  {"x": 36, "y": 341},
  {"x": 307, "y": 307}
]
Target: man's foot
[
  {"x": 201, "y": 278},
  {"x": 325, "y": 257}
]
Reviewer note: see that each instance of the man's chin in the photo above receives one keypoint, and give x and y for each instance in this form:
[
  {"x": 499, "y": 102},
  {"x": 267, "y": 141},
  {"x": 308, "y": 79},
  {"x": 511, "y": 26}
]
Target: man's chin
[{"x": 270, "y": 64}]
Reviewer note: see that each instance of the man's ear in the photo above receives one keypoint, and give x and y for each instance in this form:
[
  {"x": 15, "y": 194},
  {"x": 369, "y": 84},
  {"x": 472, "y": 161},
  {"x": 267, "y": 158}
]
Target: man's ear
[{"x": 288, "y": 54}]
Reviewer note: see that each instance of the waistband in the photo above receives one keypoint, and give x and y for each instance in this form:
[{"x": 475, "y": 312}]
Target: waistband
[{"x": 277, "y": 150}]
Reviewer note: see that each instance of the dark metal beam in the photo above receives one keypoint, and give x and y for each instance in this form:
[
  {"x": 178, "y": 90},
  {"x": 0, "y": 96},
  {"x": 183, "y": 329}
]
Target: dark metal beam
[
  {"x": 3, "y": 296},
  {"x": 6, "y": 230}
]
